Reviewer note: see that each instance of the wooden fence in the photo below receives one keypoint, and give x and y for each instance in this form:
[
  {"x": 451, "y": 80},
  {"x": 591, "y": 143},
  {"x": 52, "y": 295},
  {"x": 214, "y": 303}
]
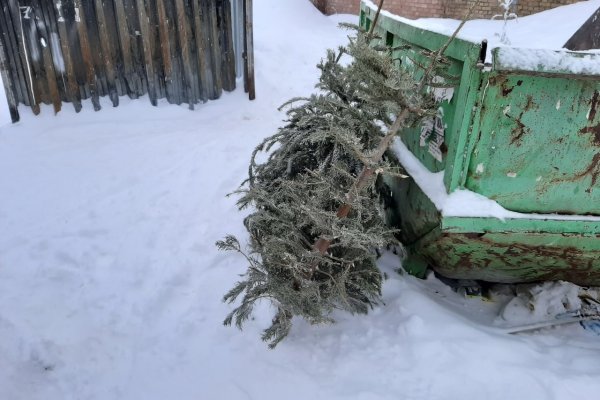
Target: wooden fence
[{"x": 55, "y": 51}]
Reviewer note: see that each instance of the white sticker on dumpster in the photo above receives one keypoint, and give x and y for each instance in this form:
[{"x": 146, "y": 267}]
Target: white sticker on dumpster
[{"x": 432, "y": 134}]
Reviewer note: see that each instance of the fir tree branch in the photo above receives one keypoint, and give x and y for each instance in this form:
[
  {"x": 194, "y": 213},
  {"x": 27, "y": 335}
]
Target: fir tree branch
[
  {"x": 439, "y": 54},
  {"x": 370, "y": 36},
  {"x": 323, "y": 244},
  {"x": 321, "y": 167}
]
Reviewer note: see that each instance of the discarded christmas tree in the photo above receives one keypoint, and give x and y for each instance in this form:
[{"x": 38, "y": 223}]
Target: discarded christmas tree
[{"x": 317, "y": 217}]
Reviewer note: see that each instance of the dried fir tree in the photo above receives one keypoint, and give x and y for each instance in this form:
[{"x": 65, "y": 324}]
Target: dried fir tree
[{"x": 315, "y": 161}]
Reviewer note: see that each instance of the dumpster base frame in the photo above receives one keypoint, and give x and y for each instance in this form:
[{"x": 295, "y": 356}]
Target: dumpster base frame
[{"x": 511, "y": 251}]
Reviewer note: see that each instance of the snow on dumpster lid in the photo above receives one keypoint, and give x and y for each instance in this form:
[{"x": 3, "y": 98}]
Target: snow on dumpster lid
[
  {"x": 545, "y": 30},
  {"x": 546, "y": 61}
]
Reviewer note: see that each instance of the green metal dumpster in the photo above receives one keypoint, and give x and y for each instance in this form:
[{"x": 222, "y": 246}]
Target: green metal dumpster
[{"x": 519, "y": 130}]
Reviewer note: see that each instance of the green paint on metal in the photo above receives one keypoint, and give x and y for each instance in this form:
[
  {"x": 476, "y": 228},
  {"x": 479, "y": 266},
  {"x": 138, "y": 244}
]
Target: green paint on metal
[
  {"x": 412, "y": 212},
  {"x": 459, "y": 149},
  {"x": 415, "y": 264},
  {"x": 538, "y": 146},
  {"x": 511, "y": 257},
  {"x": 458, "y": 92},
  {"x": 525, "y": 136},
  {"x": 520, "y": 225}
]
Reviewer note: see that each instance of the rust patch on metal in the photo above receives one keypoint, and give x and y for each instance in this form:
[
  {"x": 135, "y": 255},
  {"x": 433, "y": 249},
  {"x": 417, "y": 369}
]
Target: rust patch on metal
[
  {"x": 504, "y": 87},
  {"x": 529, "y": 104},
  {"x": 593, "y": 170},
  {"x": 515, "y": 262},
  {"x": 594, "y": 131},
  {"x": 520, "y": 130},
  {"x": 593, "y": 106},
  {"x": 506, "y": 90},
  {"x": 474, "y": 235}
]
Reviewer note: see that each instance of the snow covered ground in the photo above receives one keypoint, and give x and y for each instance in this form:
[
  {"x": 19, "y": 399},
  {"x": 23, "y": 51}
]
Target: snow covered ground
[{"x": 111, "y": 286}]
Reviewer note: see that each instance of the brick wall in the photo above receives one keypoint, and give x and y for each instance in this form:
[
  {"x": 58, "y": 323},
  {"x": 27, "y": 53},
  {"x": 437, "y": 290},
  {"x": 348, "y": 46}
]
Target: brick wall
[
  {"x": 337, "y": 6},
  {"x": 440, "y": 8},
  {"x": 411, "y": 8},
  {"x": 487, "y": 8}
]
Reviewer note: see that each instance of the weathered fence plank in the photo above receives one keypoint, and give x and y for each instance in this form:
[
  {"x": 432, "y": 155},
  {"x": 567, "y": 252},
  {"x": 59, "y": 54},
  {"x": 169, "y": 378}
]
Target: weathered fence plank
[
  {"x": 155, "y": 44},
  {"x": 167, "y": 46},
  {"x": 201, "y": 51},
  {"x": 108, "y": 51},
  {"x": 89, "y": 16},
  {"x": 55, "y": 51},
  {"x": 188, "y": 62},
  {"x": 72, "y": 86},
  {"x": 215, "y": 48},
  {"x": 226, "y": 42},
  {"x": 211, "y": 77},
  {"x": 148, "y": 50},
  {"x": 12, "y": 67},
  {"x": 41, "y": 22},
  {"x": 130, "y": 79},
  {"x": 86, "y": 53},
  {"x": 32, "y": 46},
  {"x": 137, "y": 46},
  {"x": 249, "y": 50},
  {"x": 53, "y": 39},
  {"x": 8, "y": 85},
  {"x": 23, "y": 54}
]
